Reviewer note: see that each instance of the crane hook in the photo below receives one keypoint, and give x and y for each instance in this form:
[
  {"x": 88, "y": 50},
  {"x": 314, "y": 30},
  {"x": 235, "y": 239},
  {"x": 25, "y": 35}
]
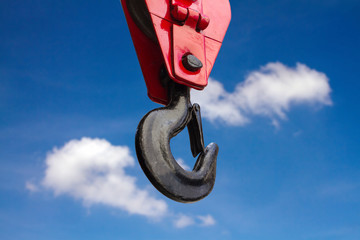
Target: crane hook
[{"x": 154, "y": 154}]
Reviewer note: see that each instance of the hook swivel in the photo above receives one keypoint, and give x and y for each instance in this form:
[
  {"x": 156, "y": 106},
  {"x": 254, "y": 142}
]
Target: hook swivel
[{"x": 154, "y": 154}]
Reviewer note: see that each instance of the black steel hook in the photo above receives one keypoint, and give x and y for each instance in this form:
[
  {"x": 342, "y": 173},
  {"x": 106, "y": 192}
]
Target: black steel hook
[{"x": 154, "y": 154}]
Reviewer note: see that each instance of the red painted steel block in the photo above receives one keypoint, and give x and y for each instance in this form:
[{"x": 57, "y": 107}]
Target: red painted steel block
[{"x": 185, "y": 40}]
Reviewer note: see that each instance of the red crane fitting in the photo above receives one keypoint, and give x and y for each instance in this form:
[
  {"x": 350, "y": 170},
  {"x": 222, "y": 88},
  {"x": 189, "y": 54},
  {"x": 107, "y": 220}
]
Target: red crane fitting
[
  {"x": 182, "y": 37},
  {"x": 179, "y": 13}
]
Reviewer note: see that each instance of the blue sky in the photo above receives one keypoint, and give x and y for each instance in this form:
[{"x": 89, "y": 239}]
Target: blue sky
[{"x": 282, "y": 105}]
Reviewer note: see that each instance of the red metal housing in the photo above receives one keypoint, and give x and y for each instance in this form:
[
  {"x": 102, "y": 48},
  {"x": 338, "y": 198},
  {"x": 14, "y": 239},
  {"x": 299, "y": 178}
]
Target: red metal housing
[{"x": 182, "y": 27}]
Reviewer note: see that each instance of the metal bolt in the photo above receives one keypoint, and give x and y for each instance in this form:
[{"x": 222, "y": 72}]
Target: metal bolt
[{"x": 191, "y": 62}]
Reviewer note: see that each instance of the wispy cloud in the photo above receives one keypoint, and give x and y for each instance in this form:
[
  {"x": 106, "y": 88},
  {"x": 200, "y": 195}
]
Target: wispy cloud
[
  {"x": 340, "y": 188},
  {"x": 182, "y": 163},
  {"x": 31, "y": 186},
  {"x": 338, "y": 233},
  {"x": 93, "y": 170},
  {"x": 207, "y": 220},
  {"x": 183, "y": 221},
  {"x": 269, "y": 92}
]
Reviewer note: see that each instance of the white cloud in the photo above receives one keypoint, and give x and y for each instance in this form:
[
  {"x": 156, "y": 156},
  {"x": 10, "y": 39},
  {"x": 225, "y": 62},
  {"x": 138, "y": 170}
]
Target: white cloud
[
  {"x": 182, "y": 163},
  {"x": 93, "y": 170},
  {"x": 183, "y": 221},
  {"x": 207, "y": 220},
  {"x": 268, "y": 92},
  {"x": 31, "y": 187}
]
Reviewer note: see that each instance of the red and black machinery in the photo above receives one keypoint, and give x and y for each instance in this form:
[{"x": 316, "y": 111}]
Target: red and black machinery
[{"x": 177, "y": 42}]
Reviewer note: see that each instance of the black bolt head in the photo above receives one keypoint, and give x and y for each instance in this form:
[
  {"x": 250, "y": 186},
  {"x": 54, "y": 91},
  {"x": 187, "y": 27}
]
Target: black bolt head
[{"x": 191, "y": 62}]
